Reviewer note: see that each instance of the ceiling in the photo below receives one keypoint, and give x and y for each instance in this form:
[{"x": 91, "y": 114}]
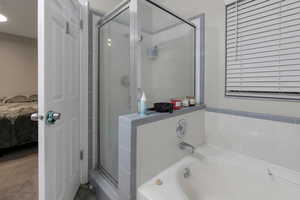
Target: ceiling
[
  {"x": 153, "y": 19},
  {"x": 184, "y": 8},
  {"x": 22, "y": 17},
  {"x": 22, "y": 14}
]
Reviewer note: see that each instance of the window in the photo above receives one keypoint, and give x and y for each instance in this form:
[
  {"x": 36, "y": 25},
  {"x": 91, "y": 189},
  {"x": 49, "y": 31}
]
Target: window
[{"x": 263, "y": 48}]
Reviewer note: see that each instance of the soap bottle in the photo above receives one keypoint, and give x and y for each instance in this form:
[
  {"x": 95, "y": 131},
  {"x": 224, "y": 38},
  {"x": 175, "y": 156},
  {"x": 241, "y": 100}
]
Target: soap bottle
[
  {"x": 143, "y": 105},
  {"x": 139, "y": 96}
]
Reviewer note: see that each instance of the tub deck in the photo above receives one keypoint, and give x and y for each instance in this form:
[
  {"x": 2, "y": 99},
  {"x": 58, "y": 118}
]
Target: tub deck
[{"x": 217, "y": 174}]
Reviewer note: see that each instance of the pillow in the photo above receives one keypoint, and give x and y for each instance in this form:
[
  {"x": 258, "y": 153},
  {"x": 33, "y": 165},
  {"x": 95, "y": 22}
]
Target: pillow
[
  {"x": 16, "y": 99},
  {"x": 2, "y": 99},
  {"x": 33, "y": 97}
]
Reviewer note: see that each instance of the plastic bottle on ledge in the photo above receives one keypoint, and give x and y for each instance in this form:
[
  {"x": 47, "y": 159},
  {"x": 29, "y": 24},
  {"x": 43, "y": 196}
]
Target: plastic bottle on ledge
[{"x": 143, "y": 105}]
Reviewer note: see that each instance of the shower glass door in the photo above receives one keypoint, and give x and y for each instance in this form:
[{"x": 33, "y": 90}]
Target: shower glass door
[
  {"x": 142, "y": 47},
  {"x": 114, "y": 88},
  {"x": 167, "y": 59}
]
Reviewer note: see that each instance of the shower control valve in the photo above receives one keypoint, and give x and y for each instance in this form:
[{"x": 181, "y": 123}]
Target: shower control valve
[{"x": 181, "y": 128}]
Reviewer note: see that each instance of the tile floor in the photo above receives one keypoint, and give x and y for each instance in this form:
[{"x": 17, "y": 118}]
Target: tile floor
[{"x": 84, "y": 193}]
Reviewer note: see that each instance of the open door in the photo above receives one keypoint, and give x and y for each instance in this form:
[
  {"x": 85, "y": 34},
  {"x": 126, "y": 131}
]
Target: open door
[{"x": 59, "y": 98}]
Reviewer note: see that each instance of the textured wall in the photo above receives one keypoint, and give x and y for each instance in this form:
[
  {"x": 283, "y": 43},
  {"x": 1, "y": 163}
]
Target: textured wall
[{"x": 18, "y": 65}]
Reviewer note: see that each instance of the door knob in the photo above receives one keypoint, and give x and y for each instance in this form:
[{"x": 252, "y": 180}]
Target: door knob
[
  {"x": 34, "y": 117},
  {"x": 52, "y": 117}
]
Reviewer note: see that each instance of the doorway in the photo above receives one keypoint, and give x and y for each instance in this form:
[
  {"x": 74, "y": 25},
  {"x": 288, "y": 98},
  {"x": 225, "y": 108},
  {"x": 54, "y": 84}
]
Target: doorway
[{"x": 18, "y": 100}]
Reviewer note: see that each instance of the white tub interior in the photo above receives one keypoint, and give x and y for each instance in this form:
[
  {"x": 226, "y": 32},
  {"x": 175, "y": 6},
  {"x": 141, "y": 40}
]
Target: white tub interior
[{"x": 217, "y": 174}]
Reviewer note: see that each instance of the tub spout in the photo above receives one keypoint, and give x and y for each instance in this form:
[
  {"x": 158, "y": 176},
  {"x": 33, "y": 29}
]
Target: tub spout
[{"x": 184, "y": 146}]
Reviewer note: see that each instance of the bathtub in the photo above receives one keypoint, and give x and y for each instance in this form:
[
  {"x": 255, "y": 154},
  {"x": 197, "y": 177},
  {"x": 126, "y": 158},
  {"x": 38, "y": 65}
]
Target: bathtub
[{"x": 215, "y": 174}]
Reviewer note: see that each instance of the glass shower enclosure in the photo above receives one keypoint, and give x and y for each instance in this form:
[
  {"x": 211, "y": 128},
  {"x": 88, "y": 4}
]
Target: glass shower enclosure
[{"x": 142, "y": 47}]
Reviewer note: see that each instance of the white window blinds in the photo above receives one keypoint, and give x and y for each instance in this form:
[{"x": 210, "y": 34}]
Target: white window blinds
[{"x": 263, "y": 48}]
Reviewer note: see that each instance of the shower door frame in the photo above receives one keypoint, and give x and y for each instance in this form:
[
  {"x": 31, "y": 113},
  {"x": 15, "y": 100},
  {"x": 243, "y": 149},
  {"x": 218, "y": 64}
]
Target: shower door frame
[
  {"x": 135, "y": 61},
  {"x": 122, "y": 7}
]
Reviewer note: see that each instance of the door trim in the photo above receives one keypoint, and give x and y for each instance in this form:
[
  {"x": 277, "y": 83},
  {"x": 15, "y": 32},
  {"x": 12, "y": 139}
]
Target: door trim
[{"x": 84, "y": 92}]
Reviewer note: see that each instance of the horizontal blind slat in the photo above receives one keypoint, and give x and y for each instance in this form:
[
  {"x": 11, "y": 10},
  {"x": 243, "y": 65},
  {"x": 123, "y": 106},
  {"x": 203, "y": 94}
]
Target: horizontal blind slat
[
  {"x": 274, "y": 36},
  {"x": 244, "y": 7},
  {"x": 261, "y": 75},
  {"x": 266, "y": 7},
  {"x": 265, "y": 55},
  {"x": 278, "y": 6},
  {"x": 265, "y": 20},
  {"x": 244, "y": 50},
  {"x": 262, "y": 70},
  {"x": 289, "y": 37},
  {"x": 273, "y": 73},
  {"x": 282, "y": 63},
  {"x": 269, "y": 25}
]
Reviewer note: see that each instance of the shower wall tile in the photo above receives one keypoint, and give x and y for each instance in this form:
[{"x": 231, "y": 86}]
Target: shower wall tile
[
  {"x": 149, "y": 144},
  {"x": 157, "y": 144}
]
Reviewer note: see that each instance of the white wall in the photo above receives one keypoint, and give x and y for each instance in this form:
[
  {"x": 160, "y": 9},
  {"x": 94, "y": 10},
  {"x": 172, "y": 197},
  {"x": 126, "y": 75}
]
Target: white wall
[
  {"x": 215, "y": 68},
  {"x": 18, "y": 65},
  {"x": 157, "y": 143}
]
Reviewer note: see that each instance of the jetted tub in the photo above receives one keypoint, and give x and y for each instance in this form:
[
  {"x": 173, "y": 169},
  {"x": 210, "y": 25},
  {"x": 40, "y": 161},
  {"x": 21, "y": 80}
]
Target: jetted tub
[{"x": 214, "y": 174}]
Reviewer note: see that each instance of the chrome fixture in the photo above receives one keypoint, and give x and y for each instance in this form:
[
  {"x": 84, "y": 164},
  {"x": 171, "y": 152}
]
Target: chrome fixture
[
  {"x": 181, "y": 128},
  {"x": 269, "y": 172},
  {"x": 52, "y": 117},
  {"x": 184, "y": 146},
  {"x": 186, "y": 172},
  {"x": 36, "y": 117}
]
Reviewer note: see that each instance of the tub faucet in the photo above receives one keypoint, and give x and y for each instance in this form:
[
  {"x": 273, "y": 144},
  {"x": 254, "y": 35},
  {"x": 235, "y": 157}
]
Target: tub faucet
[{"x": 184, "y": 146}]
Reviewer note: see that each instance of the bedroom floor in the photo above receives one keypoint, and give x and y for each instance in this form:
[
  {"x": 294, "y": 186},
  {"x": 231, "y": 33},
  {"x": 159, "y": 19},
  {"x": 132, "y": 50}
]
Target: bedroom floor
[{"x": 19, "y": 176}]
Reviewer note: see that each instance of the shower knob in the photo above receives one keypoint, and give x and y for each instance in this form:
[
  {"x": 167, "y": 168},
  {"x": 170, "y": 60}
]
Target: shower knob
[{"x": 181, "y": 128}]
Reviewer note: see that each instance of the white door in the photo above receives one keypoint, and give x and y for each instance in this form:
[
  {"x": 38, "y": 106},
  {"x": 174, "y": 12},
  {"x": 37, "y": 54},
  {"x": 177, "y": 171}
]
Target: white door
[{"x": 59, "y": 92}]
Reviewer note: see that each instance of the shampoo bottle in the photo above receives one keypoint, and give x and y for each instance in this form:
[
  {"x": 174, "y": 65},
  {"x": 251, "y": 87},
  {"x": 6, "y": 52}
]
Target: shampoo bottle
[{"x": 143, "y": 105}]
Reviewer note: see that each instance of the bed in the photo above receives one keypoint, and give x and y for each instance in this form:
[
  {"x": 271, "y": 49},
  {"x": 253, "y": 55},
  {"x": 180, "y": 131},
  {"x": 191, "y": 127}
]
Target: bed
[{"x": 16, "y": 127}]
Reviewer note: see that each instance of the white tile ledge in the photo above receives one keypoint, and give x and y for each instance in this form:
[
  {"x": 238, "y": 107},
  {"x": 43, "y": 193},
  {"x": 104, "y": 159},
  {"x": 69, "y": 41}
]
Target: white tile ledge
[
  {"x": 137, "y": 119},
  {"x": 264, "y": 116}
]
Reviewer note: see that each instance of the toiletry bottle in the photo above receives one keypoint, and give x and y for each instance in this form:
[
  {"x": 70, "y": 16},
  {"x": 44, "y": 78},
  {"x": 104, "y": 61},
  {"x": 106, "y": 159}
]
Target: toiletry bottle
[
  {"x": 143, "y": 106},
  {"x": 139, "y": 96}
]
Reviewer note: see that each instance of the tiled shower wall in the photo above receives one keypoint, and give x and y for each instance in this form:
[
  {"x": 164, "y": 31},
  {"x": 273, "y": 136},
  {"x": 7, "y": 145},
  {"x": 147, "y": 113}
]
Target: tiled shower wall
[
  {"x": 274, "y": 141},
  {"x": 157, "y": 143}
]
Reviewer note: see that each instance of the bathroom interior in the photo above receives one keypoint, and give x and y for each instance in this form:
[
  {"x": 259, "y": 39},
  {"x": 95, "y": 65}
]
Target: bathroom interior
[{"x": 194, "y": 100}]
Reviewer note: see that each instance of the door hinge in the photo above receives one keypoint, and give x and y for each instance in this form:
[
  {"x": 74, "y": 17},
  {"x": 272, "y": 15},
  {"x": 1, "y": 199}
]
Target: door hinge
[
  {"x": 81, "y": 24},
  {"x": 81, "y": 155},
  {"x": 67, "y": 28}
]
